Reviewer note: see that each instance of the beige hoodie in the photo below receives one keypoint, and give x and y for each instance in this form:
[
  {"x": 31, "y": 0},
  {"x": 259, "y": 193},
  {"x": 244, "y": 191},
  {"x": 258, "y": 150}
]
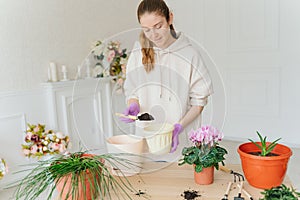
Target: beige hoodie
[{"x": 179, "y": 80}]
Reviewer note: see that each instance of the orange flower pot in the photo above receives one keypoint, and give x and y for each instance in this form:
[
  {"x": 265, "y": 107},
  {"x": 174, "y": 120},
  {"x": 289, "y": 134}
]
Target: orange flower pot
[
  {"x": 205, "y": 177},
  {"x": 264, "y": 172},
  {"x": 64, "y": 186}
]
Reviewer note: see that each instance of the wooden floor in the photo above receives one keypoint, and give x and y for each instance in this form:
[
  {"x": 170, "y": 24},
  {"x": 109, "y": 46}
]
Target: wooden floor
[{"x": 164, "y": 181}]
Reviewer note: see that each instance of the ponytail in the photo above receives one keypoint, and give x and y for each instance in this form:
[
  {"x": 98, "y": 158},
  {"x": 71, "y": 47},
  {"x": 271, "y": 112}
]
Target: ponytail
[{"x": 148, "y": 52}]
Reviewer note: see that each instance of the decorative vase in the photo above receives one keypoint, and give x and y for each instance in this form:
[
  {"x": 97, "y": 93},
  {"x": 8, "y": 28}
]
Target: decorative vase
[
  {"x": 264, "y": 172},
  {"x": 205, "y": 177}
]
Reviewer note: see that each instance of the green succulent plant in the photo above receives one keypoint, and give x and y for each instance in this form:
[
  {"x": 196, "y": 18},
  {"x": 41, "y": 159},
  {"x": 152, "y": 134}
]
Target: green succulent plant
[
  {"x": 281, "y": 192},
  {"x": 264, "y": 147}
]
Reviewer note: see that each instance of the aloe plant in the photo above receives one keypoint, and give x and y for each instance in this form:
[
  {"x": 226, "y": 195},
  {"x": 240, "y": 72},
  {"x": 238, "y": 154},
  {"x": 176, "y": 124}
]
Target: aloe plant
[{"x": 265, "y": 149}]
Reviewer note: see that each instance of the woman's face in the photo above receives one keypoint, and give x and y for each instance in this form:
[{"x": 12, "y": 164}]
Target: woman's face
[{"x": 156, "y": 29}]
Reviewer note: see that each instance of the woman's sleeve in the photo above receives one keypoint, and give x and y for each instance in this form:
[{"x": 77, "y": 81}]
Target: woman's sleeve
[
  {"x": 200, "y": 82},
  {"x": 131, "y": 81}
]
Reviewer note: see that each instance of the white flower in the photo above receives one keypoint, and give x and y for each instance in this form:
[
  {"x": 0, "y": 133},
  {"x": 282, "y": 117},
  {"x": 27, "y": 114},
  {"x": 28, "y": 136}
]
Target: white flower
[
  {"x": 98, "y": 69},
  {"x": 105, "y": 73},
  {"x": 60, "y": 135}
]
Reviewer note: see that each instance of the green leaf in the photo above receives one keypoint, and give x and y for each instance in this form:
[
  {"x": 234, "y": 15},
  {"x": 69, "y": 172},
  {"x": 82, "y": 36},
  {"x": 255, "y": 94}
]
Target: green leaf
[{"x": 265, "y": 150}]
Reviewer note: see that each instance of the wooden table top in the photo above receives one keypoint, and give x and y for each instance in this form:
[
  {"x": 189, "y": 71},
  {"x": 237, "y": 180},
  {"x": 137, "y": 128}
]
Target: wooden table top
[{"x": 168, "y": 181}]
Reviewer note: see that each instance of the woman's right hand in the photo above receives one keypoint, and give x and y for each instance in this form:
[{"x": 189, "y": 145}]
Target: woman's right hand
[{"x": 133, "y": 109}]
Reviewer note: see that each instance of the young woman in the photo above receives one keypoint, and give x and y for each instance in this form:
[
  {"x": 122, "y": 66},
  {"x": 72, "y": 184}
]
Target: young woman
[{"x": 165, "y": 75}]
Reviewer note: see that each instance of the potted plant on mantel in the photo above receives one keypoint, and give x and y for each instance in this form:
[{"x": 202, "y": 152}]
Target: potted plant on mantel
[
  {"x": 76, "y": 176},
  {"x": 205, "y": 154},
  {"x": 264, "y": 163}
]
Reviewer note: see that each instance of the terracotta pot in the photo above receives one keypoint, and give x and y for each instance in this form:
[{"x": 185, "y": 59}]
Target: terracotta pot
[
  {"x": 64, "y": 186},
  {"x": 264, "y": 172},
  {"x": 205, "y": 177}
]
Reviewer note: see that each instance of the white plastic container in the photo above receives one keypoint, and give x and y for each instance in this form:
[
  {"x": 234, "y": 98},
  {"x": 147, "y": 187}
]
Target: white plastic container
[
  {"x": 126, "y": 144},
  {"x": 159, "y": 138}
]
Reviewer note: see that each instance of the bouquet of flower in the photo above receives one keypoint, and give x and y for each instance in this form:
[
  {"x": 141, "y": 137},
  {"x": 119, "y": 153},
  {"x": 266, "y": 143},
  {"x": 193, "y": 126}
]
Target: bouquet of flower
[
  {"x": 40, "y": 142},
  {"x": 205, "y": 151},
  {"x": 3, "y": 168},
  {"x": 111, "y": 59}
]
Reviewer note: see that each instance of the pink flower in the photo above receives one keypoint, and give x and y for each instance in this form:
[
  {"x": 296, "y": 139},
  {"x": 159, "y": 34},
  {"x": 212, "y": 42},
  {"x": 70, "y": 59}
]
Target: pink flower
[
  {"x": 62, "y": 148},
  {"x": 111, "y": 55},
  {"x": 28, "y": 136},
  {"x": 33, "y": 149},
  {"x": 55, "y": 146},
  {"x": 120, "y": 81},
  {"x": 123, "y": 67},
  {"x": 36, "y": 129},
  {"x": 205, "y": 135},
  {"x": 26, "y": 152},
  {"x": 35, "y": 138}
]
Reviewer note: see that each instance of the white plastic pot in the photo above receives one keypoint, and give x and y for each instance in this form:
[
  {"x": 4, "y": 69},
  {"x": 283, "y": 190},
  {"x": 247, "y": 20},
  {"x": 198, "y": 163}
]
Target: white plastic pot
[{"x": 159, "y": 138}]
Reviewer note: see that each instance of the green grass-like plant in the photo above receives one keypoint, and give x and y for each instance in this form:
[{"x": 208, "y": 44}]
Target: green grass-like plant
[
  {"x": 46, "y": 175},
  {"x": 281, "y": 192},
  {"x": 265, "y": 149}
]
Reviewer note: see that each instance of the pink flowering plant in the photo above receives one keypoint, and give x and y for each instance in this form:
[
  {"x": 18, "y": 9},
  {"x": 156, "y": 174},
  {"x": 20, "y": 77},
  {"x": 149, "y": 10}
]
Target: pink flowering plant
[
  {"x": 205, "y": 151},
  {"x": 39, "y": 141}
]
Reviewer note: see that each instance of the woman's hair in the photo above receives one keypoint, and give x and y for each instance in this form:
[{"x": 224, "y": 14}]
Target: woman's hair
[{"x": 152, "y": 6}]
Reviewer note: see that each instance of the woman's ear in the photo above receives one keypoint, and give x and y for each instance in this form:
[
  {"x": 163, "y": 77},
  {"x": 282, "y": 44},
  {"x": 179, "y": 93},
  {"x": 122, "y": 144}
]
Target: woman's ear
[{"x": 171, "y": 16}]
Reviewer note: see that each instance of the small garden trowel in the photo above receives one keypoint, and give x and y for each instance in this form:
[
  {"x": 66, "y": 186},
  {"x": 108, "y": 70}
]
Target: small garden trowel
[
  {"x": 142, "y": 117},
  {"x": 239, "y": 197}
]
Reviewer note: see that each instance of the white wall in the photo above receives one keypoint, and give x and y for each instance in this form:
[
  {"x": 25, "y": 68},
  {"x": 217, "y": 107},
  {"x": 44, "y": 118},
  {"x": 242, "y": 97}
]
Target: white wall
[
  {"x": 255, "y": 44},
  {"x": 33, "y": 33}
]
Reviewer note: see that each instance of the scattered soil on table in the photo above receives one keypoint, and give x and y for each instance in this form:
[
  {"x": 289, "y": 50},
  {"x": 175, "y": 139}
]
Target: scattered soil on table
[
  {"x": 258, "y": 154},
  {"x": 139, "y": 193},
  {"x": 190, "y": 194}
]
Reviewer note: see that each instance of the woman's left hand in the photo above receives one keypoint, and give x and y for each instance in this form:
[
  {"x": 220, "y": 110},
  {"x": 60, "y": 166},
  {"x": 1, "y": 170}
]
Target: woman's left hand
[{"x": 175, "y": 137}]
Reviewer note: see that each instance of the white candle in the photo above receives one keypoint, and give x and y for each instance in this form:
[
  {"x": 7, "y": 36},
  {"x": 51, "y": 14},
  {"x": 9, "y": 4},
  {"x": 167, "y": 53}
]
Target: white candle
[
  {"x": 53, "y": 72},
  {"x": 63, "y": 68},
  {"x": 64, "y": 73},
  {"x": 78, "y": 72}
]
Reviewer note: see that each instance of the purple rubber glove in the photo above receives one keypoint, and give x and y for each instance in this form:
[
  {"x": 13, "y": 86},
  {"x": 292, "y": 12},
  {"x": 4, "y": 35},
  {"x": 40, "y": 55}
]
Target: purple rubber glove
[
  {"x": 175, "y": 137},
  {"x": 133, "y": 110}
]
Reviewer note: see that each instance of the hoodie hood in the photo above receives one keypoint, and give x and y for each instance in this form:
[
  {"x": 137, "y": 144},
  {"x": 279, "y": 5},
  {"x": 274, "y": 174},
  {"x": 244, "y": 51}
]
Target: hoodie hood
[{"x": 181, "y": 42}]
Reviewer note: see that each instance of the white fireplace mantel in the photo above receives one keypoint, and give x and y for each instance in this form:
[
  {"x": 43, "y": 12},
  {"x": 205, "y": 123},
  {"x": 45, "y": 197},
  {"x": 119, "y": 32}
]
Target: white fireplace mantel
[{"x": 82, "y": 110}]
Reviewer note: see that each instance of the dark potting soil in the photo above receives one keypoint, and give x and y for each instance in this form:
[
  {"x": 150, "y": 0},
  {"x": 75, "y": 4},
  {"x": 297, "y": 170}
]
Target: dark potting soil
[
  {"x": 190, "y": 194},
  {"x": 258, "y": 154},
  {"x": 140, "y": 192},
  {"x": 145, "y": 117}
]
